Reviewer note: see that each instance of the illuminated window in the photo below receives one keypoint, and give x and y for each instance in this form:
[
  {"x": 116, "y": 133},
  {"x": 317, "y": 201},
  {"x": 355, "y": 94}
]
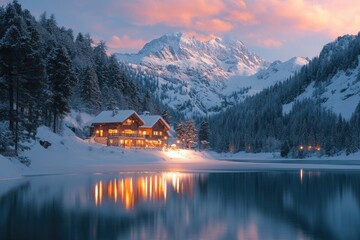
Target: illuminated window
[
  {"x": 160, "y": 133},
  {"x": 128, "y": 122},
  {"x": 101, "y": 133},
  {"x": 156, "y": 133},
  {"x": 112, "y": 131},
  {"x": 144, "y": 132},
  {"x": 129, "y": 132}
]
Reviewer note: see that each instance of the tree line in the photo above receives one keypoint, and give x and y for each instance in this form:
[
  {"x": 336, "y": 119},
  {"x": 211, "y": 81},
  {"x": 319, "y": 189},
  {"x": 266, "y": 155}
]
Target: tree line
[
  {"x": 45, "y": 71},
  {"x": 258, "y": 124}
]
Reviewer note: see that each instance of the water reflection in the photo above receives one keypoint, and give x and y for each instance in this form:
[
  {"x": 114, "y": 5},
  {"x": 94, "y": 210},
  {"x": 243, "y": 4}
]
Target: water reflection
[
  {"x": 249, "y": 205},
  {"x": 132, "y": 190}
]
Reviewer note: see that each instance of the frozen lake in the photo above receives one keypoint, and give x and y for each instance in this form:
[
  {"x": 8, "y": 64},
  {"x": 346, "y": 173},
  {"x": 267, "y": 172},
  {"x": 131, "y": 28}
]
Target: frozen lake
[{"x": 304, "y": 204}]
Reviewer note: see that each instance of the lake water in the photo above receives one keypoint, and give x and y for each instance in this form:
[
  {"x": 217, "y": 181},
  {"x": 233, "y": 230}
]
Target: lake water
[{"x": 243, "y": 205}]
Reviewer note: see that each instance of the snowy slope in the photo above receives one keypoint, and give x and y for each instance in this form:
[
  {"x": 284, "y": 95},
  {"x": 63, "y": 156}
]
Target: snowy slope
[
  {"x": 341, "y": 92},
  {"x": 341, "y": 95},
  {"x": 278, "y": 71},
  {"x": 202, "y": 77}
]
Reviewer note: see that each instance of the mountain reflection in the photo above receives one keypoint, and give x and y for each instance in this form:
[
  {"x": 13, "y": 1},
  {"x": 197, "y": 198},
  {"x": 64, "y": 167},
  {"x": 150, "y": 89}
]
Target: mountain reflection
[{"x": 246, "y": 205}]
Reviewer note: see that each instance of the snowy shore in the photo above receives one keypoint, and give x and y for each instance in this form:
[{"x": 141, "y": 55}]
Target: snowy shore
[{"x": 71, "y": 155}]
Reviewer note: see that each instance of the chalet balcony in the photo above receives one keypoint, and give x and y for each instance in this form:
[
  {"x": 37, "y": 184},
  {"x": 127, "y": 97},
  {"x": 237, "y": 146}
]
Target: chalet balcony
[{"x": 116, "y": 135}]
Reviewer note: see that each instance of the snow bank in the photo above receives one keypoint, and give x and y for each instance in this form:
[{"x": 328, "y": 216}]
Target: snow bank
[{"x": 69, "y": 154}]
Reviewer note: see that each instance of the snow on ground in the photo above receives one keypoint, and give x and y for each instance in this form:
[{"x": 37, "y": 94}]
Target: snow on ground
[
  {"x": 69, "y": 154},
  {"x": 340, "y": 95}
]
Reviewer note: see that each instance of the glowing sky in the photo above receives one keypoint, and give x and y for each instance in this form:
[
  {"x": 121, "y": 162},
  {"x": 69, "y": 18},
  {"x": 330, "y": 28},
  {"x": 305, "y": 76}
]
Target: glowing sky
[{"x": 274, "y": 29}]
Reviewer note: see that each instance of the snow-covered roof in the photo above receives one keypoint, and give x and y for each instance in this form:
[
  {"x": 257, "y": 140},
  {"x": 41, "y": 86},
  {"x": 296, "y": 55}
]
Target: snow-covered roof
[
  {"x": 151, "y": 120},
  {"x": 110, "y": 117}
]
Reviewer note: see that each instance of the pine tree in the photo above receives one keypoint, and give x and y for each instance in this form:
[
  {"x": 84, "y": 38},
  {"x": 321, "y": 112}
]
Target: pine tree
[
  {"x": 61, "y": 78},
  {"x": 90, "y": 94},
  {"x": 180, "y": 132},
  {"x": 166, "y": 115},
  {"x": 204, "y": 134},
  {"x": 33, "y": 85},
  {"x": 190, "y": 133}
]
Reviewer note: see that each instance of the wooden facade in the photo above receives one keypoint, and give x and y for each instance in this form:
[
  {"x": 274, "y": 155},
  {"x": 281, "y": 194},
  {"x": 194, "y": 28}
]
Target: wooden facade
[{"x": 130, "y": 131}]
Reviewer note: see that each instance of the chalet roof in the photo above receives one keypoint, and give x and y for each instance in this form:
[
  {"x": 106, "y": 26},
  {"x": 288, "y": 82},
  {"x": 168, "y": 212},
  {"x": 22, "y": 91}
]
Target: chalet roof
[
  {"x": 113, "y": 116},
  {"x": 151, "y": 120}
]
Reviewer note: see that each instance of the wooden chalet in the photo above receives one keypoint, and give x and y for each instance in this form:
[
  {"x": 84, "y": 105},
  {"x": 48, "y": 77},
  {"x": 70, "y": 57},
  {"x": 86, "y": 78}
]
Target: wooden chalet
[
  {"x": 155, "y": 130},
  {"x": 126, "y": 128}
]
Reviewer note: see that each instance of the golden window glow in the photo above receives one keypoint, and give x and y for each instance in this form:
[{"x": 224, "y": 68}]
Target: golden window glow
[
  {"x": 112, "y": 131},
  {"x": 101, "y": 133},
  {"x": 128, "y": 122},
  {"x": 128, "y": 131}
]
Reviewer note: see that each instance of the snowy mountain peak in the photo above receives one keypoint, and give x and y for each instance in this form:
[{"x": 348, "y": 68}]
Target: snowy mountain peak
[
  {"x": 226, "y": 57},
  {"x": 198, "y": 77}
]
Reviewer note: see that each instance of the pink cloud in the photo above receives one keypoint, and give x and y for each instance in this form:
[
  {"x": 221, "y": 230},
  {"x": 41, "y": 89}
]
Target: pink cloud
[
  {"x": 178, "y": 13},
  {"x": 266, "y": 23},
  {"x": 213, "y": 25},
  {"x": 330, "y": 17},
  {"x": 218, "y": 16},
  {"x": 270, "y": 43},
  {"x": 125, "y": 43}
]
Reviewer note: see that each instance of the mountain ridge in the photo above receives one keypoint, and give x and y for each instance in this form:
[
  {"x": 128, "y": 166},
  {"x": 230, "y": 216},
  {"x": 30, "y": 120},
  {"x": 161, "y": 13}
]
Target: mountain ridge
[{"x": 198, "y": 77}]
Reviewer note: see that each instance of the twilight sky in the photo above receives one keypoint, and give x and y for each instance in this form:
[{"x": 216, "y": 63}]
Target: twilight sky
[{"x": 274, "y": 29}]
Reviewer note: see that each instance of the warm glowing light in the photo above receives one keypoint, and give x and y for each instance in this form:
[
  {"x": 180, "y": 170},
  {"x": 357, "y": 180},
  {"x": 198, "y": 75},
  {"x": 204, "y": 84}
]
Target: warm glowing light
[
  {"x": 131, "y": 190},
  {"x": 100, "y": 192},
  {"x": 301, "y": 175},
  {"x": 115, "y": 191},
  {"x": 112, "y": 131},
  {"x": 164, "y": 188},
  {"x": 96, "y": 195},
  {"x": 309, "y": 148},
  {"x": 301, "y": 147},
  {"x": 318, "y": 148}
]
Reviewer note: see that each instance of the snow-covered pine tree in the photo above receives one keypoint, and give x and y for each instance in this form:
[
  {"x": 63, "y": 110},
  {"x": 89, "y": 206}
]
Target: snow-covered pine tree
[
  {"x": 61, "y": 78},
  {"x": 190, "y": 133},
  {"x": 204, "y": 134},
  {"x": 166, "y": 115},
  {"x": 186, "y": 133},
  {"x": 355, "y": 127},
  {"x": 32, "y": 72},
  {"x": 90, "y": 92}
]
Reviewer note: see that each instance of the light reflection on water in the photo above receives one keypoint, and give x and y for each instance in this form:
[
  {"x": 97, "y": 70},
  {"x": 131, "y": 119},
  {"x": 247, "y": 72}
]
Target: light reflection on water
[{"x": 245, "y": 205}]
